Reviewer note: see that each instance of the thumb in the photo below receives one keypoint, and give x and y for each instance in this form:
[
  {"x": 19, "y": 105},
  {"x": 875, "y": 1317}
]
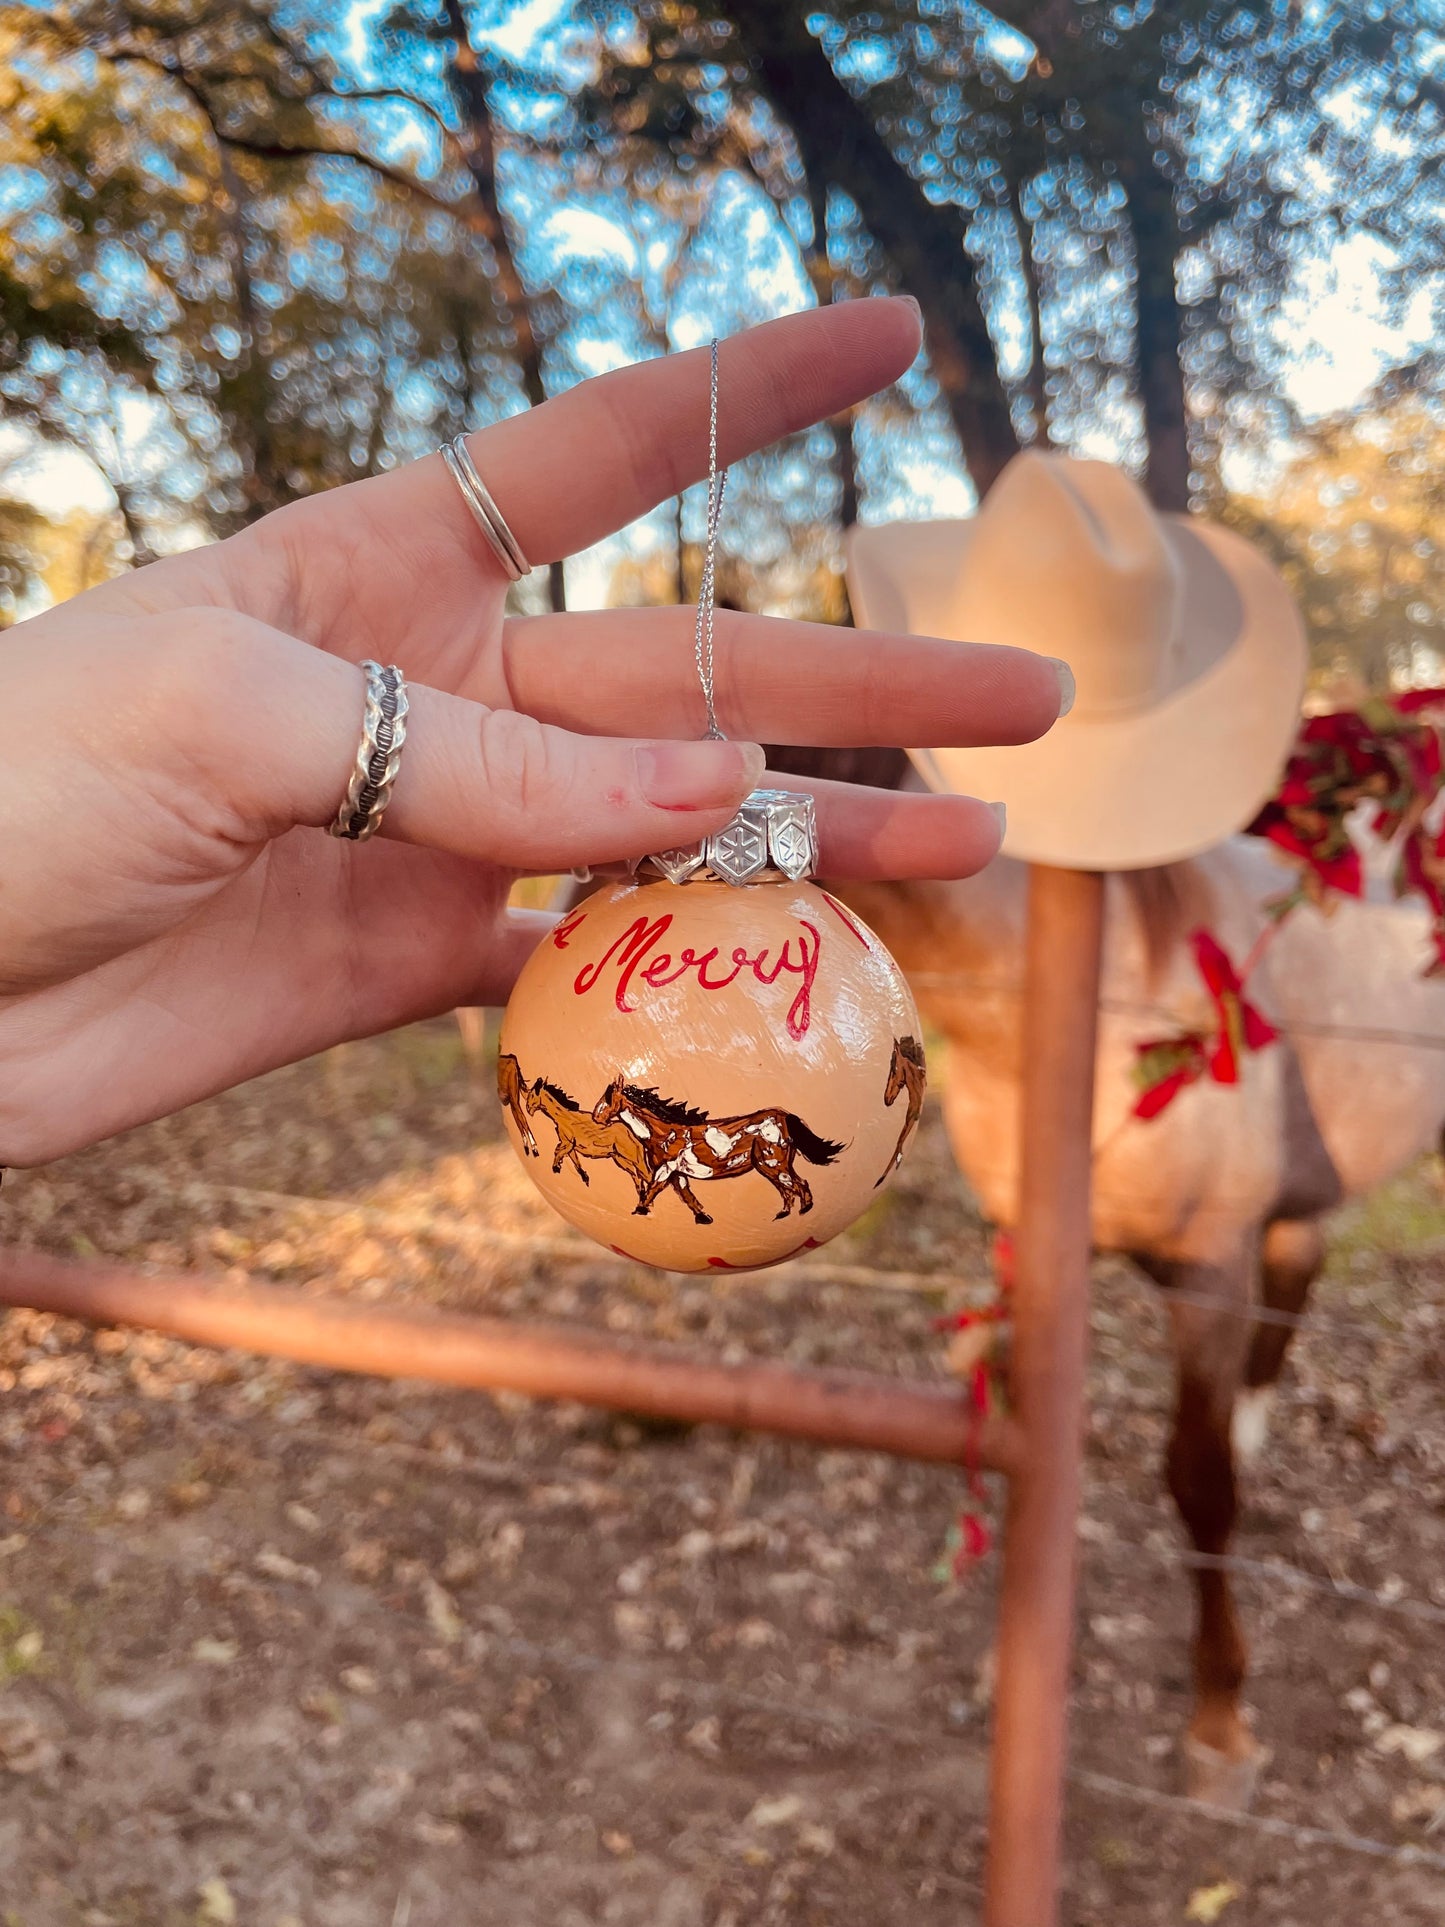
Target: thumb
[{"x": 490, "y": 784}]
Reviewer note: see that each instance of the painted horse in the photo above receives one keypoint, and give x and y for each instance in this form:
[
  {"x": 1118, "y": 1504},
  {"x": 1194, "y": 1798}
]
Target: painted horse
[
  {"x": 908, "y": 1071},
  {"x": 580, "y": 1135},
  {"x": 681, "y": 1143},
  {"x": 512, "y": 1088},
  {"x": 1219, "y": 1198}
]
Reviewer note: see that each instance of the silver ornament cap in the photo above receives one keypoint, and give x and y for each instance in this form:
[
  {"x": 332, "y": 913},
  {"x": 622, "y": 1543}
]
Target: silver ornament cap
[{"x": 772, "y": 839}]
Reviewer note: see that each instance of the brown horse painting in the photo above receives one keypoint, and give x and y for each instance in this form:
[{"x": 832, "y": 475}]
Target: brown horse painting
[
  {"x": 580, "y": 1135},
  {"x": 511, "y": 1088},
  {"x": 681, "y": 1143},
  {"x": 907, "y": 1072}
]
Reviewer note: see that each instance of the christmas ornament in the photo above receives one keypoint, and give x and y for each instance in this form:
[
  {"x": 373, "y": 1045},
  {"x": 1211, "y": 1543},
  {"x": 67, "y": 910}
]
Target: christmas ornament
[{"x": 711, "y": 1063}]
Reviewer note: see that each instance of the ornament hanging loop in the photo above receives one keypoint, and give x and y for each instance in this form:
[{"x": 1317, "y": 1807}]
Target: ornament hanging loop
[{"x": 706, "y": 593}]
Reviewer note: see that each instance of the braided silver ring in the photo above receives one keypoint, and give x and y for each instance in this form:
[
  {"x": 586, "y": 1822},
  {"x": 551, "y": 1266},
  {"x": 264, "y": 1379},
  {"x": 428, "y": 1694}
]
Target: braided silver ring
[
  {"x": 488, "y": 517},
  {"x": 383, "y": 731}
]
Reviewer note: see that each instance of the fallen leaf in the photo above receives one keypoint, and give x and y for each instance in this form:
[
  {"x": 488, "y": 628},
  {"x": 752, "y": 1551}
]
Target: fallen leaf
[
  {"x": 1417, "y": 1743},
  {"x": 218, "y": 1905},
  {"x": 1206, "y": 1904},
  {"x": 28, "y": 1648},
  {"x": 360, "y": 1679},
  {"x": 617, "y": 1843},
  {"x": 277, "y": 1566},
  {"x": 775, "y": 1813},
  {"x": 441, "y": 1611},
  {"x": 436, "y": 1833},
  {"x": 215, "y": 1652},
  {"x": 302, "y": 1516},
  {"x": 24, "y": 1747}
]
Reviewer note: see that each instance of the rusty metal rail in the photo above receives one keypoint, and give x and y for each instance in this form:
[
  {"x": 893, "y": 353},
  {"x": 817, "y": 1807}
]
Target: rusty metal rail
[{"x": 910, "y": 1418}]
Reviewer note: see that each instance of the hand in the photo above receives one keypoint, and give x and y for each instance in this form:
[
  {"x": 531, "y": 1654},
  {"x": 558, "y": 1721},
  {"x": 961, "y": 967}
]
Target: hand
[{"x": 172, "y": 917}]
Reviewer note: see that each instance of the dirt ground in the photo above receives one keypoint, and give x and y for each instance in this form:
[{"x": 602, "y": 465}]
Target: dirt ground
[{"x": 286, "y": 1649}]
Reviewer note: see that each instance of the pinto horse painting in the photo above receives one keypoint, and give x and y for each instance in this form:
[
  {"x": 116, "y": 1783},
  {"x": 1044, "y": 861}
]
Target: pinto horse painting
[
  {"x": 580, "y": 1135},
  {"x": 682, "y": 1143},
  {"x": 1219, "y": 1199},
  {"x": 907, "y": 1072}
]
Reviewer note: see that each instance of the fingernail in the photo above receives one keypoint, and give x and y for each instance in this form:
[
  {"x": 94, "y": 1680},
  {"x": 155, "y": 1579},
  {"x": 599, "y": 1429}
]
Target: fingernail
[
  {"x": 1000, "y": 816},
  {"x": 912, "y": 302},
  {"x": 697, "y": 776},
  {"x": 1066, "y": 685}
]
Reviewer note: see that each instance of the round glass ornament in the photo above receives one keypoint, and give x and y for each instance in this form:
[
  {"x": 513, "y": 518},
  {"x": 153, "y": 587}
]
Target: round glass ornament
[{"x": 713, "y": 1064}]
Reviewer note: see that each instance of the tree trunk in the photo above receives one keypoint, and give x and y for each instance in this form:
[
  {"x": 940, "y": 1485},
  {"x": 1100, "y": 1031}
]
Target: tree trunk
[
  {"x": 141, "y": 552},
  {"x": 1038, "y": 372},
  {"x": 263, "y": 483},
  {"x": 839, "y": 143},
  {"x": 478, "y": 143},
  {"x": 1160, "y": 334}
]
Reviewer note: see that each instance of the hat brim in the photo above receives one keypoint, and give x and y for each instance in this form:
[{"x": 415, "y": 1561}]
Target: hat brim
[{"x": 1119, "y": 792}]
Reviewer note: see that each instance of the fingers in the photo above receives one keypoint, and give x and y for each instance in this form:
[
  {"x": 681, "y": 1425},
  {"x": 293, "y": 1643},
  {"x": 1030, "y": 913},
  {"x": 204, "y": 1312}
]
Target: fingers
[
  {"x": 797, "y": 682},
  {"x": 490, "y": 784},
  {"x": 592, "y": 460},
  {"x": 872, "y": 836},
  {"x": 497, "y": 785},
  {"x": 487, "y": 784}
]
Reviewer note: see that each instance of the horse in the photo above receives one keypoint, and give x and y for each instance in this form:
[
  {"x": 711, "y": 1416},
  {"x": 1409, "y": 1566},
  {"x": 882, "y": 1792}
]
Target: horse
[
  {"x": 580, "y": 1135},
  {"x": 1219, "y": 1198},
  {"x": 511, "y": 1088},
  {"x": 908, "y": 1071},
  {"x": 680, "y": 1143}
]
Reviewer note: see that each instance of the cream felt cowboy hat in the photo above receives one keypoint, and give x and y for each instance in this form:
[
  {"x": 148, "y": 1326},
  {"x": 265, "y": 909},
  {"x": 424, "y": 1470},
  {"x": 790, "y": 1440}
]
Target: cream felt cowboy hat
[{"x": 1186, "y": 646}]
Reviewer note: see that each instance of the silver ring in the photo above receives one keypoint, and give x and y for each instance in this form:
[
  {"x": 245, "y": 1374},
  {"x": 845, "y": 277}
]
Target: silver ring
[
  {"x": 773, "y": 838},
  {"x": 383, "y": 731},
  {"x": 488, "y": 517}
]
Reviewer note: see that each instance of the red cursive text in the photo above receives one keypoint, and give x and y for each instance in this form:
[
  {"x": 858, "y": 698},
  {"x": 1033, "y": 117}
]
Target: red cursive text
[{"x": 636, "y": 957}]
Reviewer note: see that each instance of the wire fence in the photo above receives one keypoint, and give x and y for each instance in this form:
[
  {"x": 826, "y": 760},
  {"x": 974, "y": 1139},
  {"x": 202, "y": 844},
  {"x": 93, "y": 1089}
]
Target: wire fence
[
  {"x": 813, "y": 1272},
  {"x": 810, "y": 1270},
  {"x": 1155, "y": 1011}
]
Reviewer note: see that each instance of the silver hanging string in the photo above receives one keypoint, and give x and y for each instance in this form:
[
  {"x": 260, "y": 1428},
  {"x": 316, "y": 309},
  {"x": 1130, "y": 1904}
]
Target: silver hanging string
[{"x": 716, "y": 483}]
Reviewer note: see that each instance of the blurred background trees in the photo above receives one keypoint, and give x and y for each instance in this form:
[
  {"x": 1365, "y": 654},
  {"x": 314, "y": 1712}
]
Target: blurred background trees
[{"x": 251, "y": 250}]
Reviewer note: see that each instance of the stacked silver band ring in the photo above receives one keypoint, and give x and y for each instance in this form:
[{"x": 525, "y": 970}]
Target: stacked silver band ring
[
  {"x": 383, "y": 731},
  {"x": 488, "y": 516}
]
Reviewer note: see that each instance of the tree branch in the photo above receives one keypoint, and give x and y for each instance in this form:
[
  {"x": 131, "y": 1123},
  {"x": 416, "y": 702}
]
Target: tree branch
[{"x": 925, "y": 242}]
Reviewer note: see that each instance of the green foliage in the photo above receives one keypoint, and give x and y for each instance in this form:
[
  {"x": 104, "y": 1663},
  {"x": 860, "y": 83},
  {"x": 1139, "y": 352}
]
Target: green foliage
[
  {"x": 1356, "y": 520},
  {"x": 201, "y": 287}
]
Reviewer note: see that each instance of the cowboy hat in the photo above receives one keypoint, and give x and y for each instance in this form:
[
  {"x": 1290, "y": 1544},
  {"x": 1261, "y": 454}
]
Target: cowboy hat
[{"x": 1187, "y": 650}]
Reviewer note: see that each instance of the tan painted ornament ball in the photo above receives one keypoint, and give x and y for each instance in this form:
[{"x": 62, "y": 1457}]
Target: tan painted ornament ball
[{"x": 709, "y": 1075}]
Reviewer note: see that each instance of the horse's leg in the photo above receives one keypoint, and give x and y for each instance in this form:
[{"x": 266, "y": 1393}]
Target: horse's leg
[
  {"x": 631, "y": 1162},
  {"x": 1293, "y": 1257},
  {"x": 1222, "y": 1757},
  {"x": 647, "y": 1196},
  {"x": 772, "y": 1161},
  {"x": 685, "y": 1191}
]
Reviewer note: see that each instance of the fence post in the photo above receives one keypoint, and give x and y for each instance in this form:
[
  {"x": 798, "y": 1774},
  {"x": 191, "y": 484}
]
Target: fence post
[{"x": 1050, "y": 1338}]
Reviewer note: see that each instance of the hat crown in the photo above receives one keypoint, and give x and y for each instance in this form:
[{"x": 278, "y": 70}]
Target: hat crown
[{"x": 1068, "y": 558}]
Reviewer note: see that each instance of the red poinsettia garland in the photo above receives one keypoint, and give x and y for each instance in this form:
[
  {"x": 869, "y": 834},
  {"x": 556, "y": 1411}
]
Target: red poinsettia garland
[{"x": 1389, "y": 754}]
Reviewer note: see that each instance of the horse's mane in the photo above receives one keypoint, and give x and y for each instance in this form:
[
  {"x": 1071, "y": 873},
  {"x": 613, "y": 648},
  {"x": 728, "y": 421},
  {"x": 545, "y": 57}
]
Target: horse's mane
[
  {"x": 667, "y": 1108},
  {"x": 1169, "y": 901},
  {"x": 567, "y": 1103},
  {"x": 912, "y": 1050}
]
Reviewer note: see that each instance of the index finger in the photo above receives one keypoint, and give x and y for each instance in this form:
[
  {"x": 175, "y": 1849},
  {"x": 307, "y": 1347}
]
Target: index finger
[{"x": 592, "y": 460}]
